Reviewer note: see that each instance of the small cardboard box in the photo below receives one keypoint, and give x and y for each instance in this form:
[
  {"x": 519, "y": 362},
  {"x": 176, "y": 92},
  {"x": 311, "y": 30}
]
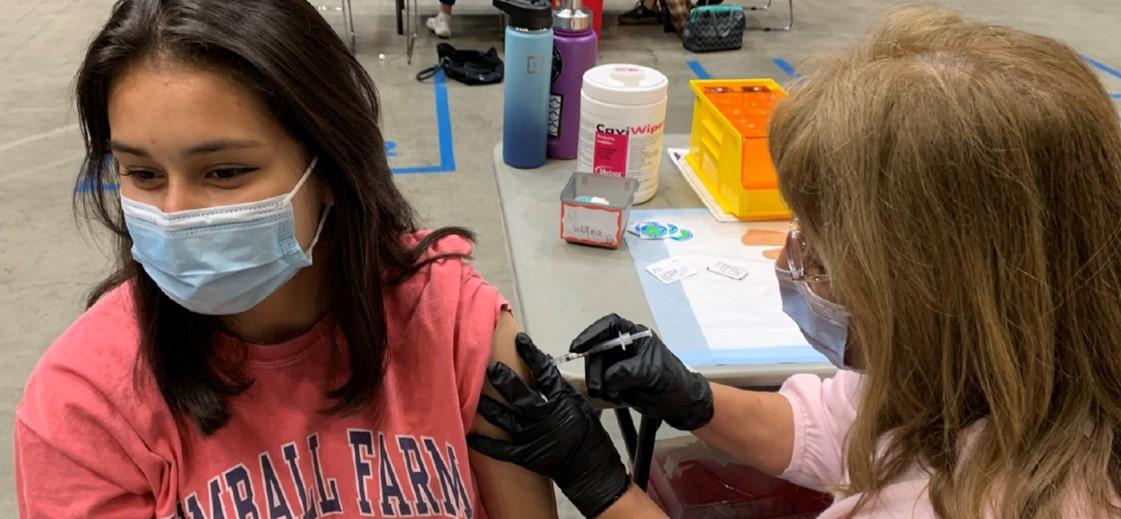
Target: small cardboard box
[{"x": 595, "y": 208}]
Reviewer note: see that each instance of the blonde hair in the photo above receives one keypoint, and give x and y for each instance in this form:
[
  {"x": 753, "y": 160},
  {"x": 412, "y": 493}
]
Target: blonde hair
[{"x": 962, "y": 184}]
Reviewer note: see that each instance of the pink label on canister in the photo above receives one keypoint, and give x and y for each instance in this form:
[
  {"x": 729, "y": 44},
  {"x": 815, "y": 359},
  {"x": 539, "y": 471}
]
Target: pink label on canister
[{"x": 610, "y": 154}]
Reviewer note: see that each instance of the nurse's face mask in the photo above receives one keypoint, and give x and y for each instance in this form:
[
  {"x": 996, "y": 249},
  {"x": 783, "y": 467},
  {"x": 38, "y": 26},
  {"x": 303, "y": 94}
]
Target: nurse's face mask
[
  {"x": 825, "y": 324},
  {"x": 220, "y": 260}
]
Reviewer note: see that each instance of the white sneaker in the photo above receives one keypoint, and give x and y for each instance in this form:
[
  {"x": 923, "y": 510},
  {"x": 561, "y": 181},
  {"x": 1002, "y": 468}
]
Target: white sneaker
[{"x": 441, "y": 24}]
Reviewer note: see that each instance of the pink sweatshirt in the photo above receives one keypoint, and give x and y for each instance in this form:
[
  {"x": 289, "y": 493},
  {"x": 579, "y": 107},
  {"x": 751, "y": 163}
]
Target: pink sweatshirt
[
  {"x": 90, "y": 443},
  {"x": 824, "y": 411}
]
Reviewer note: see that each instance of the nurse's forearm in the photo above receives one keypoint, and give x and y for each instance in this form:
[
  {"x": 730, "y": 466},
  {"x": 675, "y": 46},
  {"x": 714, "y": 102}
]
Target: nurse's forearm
[
  {"x": 753, "y": 426},
  {"x": 634, "y": 504}
]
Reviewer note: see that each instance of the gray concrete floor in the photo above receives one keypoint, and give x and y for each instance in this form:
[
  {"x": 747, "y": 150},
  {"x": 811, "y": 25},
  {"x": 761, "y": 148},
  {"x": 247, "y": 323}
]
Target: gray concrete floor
[{"x": 47, "y": 264}]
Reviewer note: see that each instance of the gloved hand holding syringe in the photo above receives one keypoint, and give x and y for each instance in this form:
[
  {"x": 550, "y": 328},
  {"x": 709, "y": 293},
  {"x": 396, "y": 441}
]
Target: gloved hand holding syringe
[{"x": 623, "y": 340}]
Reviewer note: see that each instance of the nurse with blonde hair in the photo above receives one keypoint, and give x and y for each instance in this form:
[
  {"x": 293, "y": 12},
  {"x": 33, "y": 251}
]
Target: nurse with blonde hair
[{"x": 957, "y": 255}]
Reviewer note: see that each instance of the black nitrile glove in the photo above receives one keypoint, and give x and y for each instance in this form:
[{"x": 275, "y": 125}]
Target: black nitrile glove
[
  {"x": 645, "y": 375},
  {"x": 555, "y": 433}
]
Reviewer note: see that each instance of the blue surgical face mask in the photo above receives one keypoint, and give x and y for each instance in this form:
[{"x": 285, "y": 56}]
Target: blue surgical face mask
[
  {"x": 825, "y": 324},
  {"x": 220, "y": 260}
]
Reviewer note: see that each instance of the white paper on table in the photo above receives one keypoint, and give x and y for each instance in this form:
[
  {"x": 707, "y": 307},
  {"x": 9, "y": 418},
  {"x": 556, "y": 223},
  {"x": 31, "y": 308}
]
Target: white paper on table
[
  {"x": 732, "y": 314},
  {"x": 671, "y": 270}
]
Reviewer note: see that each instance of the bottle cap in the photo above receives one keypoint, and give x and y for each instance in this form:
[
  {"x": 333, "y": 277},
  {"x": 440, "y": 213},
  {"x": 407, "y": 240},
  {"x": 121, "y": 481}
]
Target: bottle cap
[
  {"x": 570, "y": 16},
  {"x": 625, "y": 84},
  {"x": 527, "y": 15}
]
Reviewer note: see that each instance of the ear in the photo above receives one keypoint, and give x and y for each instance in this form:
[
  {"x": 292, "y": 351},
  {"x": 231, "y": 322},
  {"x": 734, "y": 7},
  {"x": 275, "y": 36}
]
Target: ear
[{"x": 326, "y": 193}]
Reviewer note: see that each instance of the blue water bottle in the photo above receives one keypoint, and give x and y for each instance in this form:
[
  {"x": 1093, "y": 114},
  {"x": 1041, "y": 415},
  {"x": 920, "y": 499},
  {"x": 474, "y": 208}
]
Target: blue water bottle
[{"x": 529, "y": 66}]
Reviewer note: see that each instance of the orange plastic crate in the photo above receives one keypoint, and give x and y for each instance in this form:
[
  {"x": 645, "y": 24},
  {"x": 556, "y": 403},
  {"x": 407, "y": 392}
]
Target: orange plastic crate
[{"x": 728, "y": 145}]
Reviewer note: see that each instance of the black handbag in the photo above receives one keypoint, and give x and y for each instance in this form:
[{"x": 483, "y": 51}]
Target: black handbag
[
  {"x": 466, "y": 66},
  {"x": 714, "y": 28}
]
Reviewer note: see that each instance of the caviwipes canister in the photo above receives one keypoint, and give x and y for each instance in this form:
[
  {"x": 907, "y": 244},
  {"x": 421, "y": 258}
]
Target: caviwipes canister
[{"x": 622, "y": 118}]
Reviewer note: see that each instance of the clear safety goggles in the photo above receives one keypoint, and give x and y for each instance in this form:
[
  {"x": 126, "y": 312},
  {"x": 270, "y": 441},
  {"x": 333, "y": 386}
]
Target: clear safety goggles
[{"x": 805, "y": 267}]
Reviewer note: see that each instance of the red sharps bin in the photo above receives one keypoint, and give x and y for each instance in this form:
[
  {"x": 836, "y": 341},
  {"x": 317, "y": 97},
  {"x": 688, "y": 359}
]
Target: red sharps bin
[{"x": 688, "y": 480}]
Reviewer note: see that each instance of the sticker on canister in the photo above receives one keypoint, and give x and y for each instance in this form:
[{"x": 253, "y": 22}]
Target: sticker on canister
[{"x": 622, "y": 118}]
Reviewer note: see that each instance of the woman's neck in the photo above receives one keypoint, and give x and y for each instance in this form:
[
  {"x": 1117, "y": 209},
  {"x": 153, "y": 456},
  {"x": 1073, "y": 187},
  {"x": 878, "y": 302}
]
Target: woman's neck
[{"x": 287, "y": 313}]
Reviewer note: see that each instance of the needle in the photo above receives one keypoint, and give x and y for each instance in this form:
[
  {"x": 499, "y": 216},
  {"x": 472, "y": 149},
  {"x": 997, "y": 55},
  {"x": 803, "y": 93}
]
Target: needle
[{"x": 624, "y": 339}]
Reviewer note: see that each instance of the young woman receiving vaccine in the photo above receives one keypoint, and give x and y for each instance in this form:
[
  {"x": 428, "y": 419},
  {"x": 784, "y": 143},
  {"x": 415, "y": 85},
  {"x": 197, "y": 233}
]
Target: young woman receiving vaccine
[
  {"x": 957, "y": 256},
  {"x": 277, "y": 339}
]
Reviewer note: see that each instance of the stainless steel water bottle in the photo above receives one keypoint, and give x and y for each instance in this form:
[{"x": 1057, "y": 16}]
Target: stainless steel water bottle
[{"x": 529, "y": 65}]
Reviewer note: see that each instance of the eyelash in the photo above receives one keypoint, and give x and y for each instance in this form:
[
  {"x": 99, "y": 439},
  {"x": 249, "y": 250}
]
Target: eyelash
[
  {"x": 134, "y": 172},
  {"x": 212, "y": 174},
  {"x": 237, "y": 173}
]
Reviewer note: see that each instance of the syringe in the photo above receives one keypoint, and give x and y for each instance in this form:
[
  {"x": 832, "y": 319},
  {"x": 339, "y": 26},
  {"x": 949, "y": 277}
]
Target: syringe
[{"x": 624, "y": 339}]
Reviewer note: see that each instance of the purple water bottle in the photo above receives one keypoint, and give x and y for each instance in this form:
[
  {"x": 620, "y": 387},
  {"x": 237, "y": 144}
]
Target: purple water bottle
[{"x": 574, "y": 52}]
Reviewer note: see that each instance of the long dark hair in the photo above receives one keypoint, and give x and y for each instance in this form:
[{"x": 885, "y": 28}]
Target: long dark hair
[{"x": 287, "y": 53}]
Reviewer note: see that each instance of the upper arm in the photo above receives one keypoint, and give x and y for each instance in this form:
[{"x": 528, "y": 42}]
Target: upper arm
[
  {"x": 77, "y": 451},
  {"x": 534, "y": 496},
  {"x": 823, "y": 412},
  {"x": 502, "y": 350},
  {"x": 76, "y": 447},
  {"x": 52, "y": 480}
]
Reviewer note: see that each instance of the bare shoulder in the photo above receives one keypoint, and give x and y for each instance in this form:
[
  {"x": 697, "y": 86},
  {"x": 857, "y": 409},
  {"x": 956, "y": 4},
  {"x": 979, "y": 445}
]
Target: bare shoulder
[
  {"x": 503, "y": 350},
  {"x": 534, "y": 493}
]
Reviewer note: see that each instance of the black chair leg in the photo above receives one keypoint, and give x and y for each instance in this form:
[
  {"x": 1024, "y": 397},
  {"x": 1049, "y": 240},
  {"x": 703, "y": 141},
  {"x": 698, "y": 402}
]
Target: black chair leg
[
  {"x": 626, "y": 427},
  {"x": 400, "y": 6},
  {"x": 644, "y": 454}
]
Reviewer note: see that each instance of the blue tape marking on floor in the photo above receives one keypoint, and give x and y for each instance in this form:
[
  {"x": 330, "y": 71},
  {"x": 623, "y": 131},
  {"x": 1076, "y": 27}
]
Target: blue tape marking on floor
[
  {"x": 782, "y": 64},
  {"x": 390, "y": 149},
  {"x": 1102, "y": 66},
  {"x": 444, "y": 132},
  {"x": 786, "y": 67},
  {"x": 1107, "y": 69},
  {"x": 698, "y": 69},
  {"x": 444, "y": 120}
]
